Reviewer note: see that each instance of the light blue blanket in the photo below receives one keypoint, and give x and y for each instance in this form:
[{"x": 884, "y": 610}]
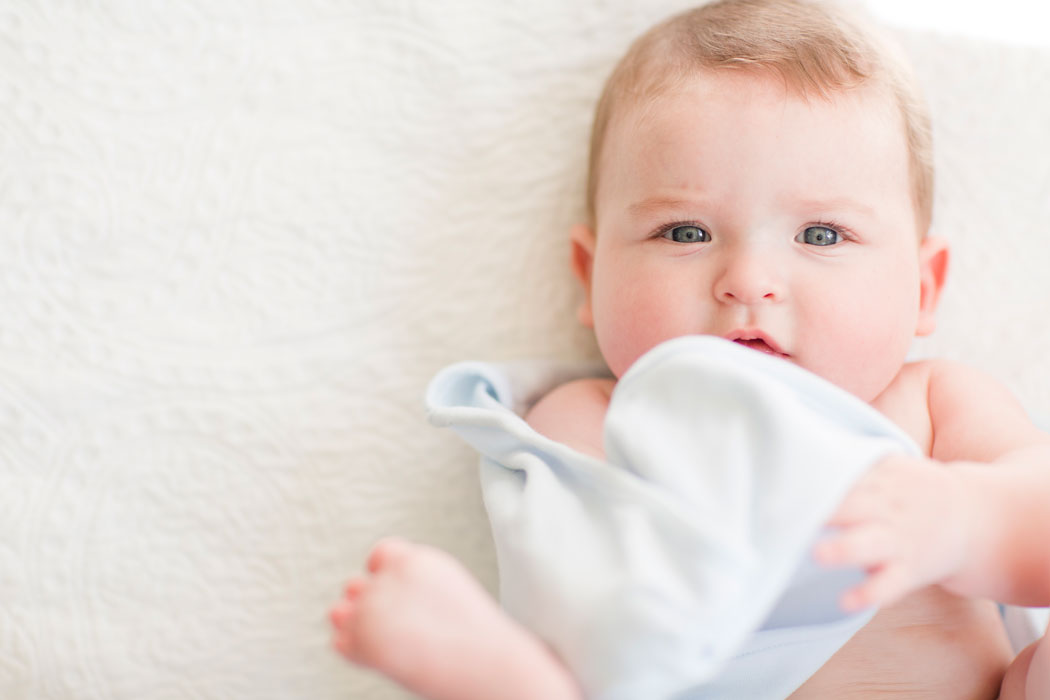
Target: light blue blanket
[{"x": 680, "y": 566}]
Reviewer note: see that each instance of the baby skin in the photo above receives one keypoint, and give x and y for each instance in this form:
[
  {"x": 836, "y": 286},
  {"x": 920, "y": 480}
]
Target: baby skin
[
  {"x": 732, "y": 207},
  {"x": 421, "y": 619}
]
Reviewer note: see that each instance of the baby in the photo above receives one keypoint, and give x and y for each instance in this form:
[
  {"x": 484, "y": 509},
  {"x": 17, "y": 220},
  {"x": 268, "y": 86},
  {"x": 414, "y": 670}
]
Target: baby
[{"x": 760, "y": 170}]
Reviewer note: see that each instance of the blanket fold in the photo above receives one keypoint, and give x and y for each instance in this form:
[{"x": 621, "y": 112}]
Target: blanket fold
[{"x": 678, "y": 567}]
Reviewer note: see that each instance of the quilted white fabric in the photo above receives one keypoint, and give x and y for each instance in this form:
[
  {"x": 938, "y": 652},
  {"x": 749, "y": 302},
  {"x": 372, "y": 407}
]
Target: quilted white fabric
[{"x": 239, "y": 237}]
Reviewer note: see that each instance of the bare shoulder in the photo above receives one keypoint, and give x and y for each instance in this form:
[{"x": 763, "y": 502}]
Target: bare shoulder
[
  {"x": 906, "y": 402},
  {"x": 973, "y": 416},
  {"x": 574, "y": 414}
]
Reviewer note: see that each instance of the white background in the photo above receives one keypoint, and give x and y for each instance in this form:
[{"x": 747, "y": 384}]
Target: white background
[
  {"x": 1024, "y": 22},
  {"x": 237, "y": 237}
]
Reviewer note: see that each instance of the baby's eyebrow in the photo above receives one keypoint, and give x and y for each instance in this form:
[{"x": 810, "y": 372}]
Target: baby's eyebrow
[
  {"x": 843, "y": 203},
  {"x": 651, "y": 204},
  {"x": 836, "y": 204}
]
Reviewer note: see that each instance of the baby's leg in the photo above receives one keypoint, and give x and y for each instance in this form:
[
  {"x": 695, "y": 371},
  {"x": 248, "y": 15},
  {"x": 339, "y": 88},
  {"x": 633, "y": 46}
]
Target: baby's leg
[
  {"x": 1028, "y": 677},
  {"x": 421, "y": 619}
]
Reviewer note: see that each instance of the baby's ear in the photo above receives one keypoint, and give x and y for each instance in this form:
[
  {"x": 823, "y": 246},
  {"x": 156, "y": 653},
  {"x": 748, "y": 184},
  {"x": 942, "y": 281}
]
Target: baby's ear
[
  {"x": 583, "y": 240},
  {"x": 933, "y": 271}
]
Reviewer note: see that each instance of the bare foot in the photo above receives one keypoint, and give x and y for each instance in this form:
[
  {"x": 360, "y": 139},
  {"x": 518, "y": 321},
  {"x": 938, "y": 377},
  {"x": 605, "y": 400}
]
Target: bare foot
[{"x": 421, "y": 619}]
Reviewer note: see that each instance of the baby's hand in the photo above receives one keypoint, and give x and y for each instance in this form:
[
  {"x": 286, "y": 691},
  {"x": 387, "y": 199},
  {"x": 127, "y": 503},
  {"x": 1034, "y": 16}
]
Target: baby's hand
[{"x": 907, "y": 522}]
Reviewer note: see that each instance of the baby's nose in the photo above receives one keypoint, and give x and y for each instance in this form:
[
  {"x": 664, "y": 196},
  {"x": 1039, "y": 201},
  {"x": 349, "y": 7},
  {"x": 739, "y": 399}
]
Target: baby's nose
[{"x": 749, "y": 278}]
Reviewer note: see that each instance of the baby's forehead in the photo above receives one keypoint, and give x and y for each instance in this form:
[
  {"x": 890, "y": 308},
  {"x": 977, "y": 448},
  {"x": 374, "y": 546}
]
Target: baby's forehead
[
  {"x": 647, "y": 98},
  {"x": 676, "y": 108},
  {"x": 748, "y": 133}
]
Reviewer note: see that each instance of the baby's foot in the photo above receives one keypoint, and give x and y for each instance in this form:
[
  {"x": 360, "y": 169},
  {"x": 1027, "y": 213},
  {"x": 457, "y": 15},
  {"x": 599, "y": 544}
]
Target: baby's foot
[{"x": 421, "y": 619}]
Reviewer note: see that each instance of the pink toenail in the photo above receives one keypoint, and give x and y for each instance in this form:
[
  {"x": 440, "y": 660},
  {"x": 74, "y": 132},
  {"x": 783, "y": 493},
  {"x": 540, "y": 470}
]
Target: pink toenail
[
  {"x": 354, "y": 588},
  {"x": 382, "y": 552}
]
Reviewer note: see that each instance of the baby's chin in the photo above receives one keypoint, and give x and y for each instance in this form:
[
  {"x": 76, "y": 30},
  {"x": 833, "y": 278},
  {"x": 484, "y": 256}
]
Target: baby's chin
[{"x": 866, "y": 385}]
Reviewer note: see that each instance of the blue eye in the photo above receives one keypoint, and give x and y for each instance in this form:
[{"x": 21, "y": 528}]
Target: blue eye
[
  {"x": 819, "y": 235},
  {"x": 687, "y": 234}
]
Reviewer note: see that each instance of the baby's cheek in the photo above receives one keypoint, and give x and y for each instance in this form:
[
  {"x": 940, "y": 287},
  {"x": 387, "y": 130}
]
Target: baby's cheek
[
  {"x": 619, "y": 342},
  {"x": 636, "y": 329},
  {"x": 873, "y": 345}
]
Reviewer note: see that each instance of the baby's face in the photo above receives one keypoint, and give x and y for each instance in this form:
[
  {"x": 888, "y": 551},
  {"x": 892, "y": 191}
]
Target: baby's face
[{"x": 734, "y": 208}]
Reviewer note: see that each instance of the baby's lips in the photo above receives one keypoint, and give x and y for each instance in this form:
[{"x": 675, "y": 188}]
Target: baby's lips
[{"x": 756, "y": 340}]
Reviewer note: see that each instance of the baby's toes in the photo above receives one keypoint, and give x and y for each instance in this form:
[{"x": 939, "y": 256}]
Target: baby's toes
[
  {"x": 344, "y": 623},
  {"x": 342, "y": 643},
  {"x": 341, "y": 613},
  {"x": 354, "y": 588},
  {"x": 387, "y": 552}
]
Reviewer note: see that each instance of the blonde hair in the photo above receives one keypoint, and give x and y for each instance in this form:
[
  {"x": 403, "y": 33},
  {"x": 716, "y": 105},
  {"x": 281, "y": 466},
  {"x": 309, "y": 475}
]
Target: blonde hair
[{"x": 812, "y": 46}]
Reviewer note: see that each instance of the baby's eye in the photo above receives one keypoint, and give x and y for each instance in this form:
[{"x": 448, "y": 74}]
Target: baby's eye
[
  {"x": 819, "y": 235},
  {"x": 687, "y": 234}
]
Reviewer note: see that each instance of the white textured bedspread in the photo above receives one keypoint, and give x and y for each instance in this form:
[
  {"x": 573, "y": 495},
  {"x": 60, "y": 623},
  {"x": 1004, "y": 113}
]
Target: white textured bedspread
[{"x": 236, "y": 240}]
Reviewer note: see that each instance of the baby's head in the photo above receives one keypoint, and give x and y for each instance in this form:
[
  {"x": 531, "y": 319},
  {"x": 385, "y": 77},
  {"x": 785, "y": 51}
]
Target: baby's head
[
  {"x": 815, "y": 49},
  {"x": 761, "y": 170}
]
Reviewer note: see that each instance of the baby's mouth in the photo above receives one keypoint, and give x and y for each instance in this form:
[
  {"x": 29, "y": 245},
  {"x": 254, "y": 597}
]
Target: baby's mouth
[
  {"x": 757, "y": 344},
  {"x": 760, "y": 344}
]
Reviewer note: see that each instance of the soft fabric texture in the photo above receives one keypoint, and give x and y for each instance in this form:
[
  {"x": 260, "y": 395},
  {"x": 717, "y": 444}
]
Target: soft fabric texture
[
  {"x": 239, "y": 237},
  {"x": 679, "y": 566},
  {"x": 688, "y": 548}
]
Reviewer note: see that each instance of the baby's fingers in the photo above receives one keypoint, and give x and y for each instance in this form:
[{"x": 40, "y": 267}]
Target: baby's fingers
[
  {"x": 883, "y": 587},
  {"x": 863, "y": 547}
]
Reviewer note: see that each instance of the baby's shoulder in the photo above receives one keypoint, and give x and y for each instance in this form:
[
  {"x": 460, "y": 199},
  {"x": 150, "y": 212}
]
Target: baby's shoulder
[
  {"x": 573, "y": 413},
  {"x": 957, "y": 411},
  {"x": 950, "y": 386},
  {"x": 915, "y": 399},
  {"x": 587, "y": 395},
  {"x": 916, "y": 380}
]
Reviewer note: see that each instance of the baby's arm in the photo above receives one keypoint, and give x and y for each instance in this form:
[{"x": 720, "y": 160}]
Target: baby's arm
[
  {"x": 1010, "y": 561},
  {"x": 973, "y": 518},
  {"x": 574, "y": 414},
  {"x": 1004, "y": 460}
]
